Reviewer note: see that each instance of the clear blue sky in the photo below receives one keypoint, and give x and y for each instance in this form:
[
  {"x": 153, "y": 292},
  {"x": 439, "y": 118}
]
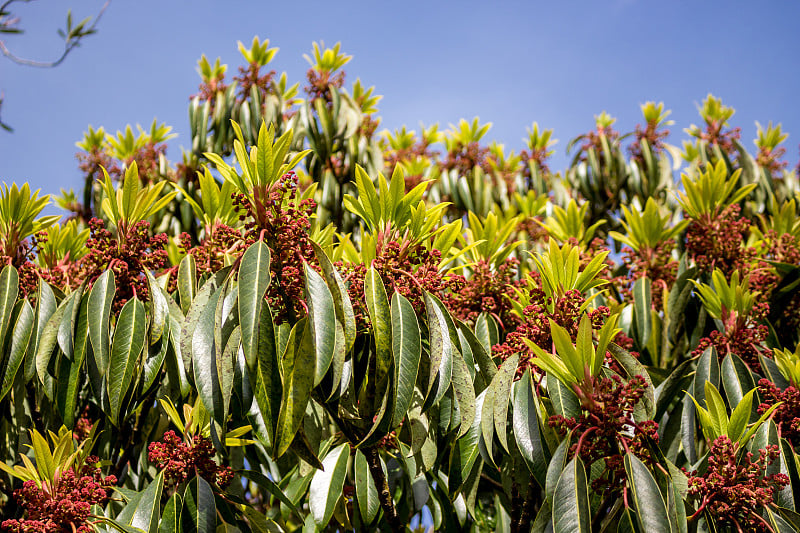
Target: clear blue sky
[{"x": 509, "y": 63}]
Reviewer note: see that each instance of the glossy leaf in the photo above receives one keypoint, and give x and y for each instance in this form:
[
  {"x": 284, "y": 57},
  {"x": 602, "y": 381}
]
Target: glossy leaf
[
  {"x": 571, "y": 509},
  {"x": 407, "y": 348},
  {"x": 327, "y": 484},
  {"x": 125, "y": 350},
  {"x": 651, "y": 511}
]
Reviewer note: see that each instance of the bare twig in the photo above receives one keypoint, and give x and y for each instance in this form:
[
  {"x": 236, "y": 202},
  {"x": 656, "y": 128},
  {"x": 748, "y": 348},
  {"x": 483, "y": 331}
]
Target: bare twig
[{"x": 69, "y": 45}]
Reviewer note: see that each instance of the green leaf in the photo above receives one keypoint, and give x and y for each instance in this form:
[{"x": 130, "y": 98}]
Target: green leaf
[
  {"x": 148, "y": 509},
  {"x": 298, "y": 380},
  {"x": 254, "y": 279},
  {"x": 199, "y": 513},
  {"x": 641, "y": 308},
  {"x": 327, "y": 484},
  {"x": 717, "y": 409},
  {"x": 45, "y": 307},
  {"x": 495, "y": 404},
  {"x": 736, "y": 378},
  {"x": 483, "y": 359},
  {"x": 407, "y": 349},
  {"x": 268, "y": 388},
  {"x": 322, "y": 320},
  {"x": 366, "y": 493},
  {"x": 526, "y": 429},
  {"x": 464, "y": 393},
  {"x": 465, "y": 451},
  {"x": 651, "y": 511},
  {"x": 125, "y": 349},
  {"x": 341, "y": 300},
  {"x": 381, "y": 320},
  {"x": 270, "y": 486},
  {"x": 707, "y": 371},
  {"x": 740, "y": 416},
  {"x": 571, "y": 510},
  {"x": 9, "y": 288},
  {"x": 20, "y": 338},
  {"x": 170, "y": 518},
  {"x": 187, "y": 282},
  {"x": 442, "y": 348}
]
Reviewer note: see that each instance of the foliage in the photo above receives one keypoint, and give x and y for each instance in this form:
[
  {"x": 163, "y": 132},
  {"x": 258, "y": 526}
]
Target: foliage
[{"x": 310, "y": 325}]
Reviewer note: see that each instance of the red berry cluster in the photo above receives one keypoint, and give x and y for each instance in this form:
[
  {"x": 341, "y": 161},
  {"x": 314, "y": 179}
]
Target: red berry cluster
[
  {"x": 606, "y": 428},
  {"x": 718, "y": 241},
  {"x": 734, "y": 491},
  {"x": 276, "y": 216},
  {"x": 787, "y": 415},
  {"x": 487, "y": 290},
  {"x": 127, "y": 257},
  {"x": 181, "y": 461},
  {"x": 536, "y": 325},
  {"x": 66, "y": 507}
]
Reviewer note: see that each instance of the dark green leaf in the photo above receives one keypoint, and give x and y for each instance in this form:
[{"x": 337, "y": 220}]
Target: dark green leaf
[
  {"x": 199, "y": 512},
  {"x": 366, "y": 493},
  {"x": 100, "y": 299},
  {"x": 344, "y": 308},
  {"x": 9, "y": 288},
  {"x": 148, "y": 508},
  {"x": 322, "y": 321},
  {"x": 270, "y": 486},
  {"x": 651, "y": 511},
  {"x": 298, "y": 380},
  {"x": 641, "y": 310},
  {"x": 20, "y": 338},
  {"x": 736, "y": 378},
  {"x": 254, "y": 279},
  {"x": 125, "y": 349},
  {"x": 571, "y": 510},
  {"x": 381, "y": 320},
  {"x": 407, "y": 347},
  {"x": 526, "y": 429},
  {"x": 327, "y": 484},
  {"x": 170, "y": 518}
]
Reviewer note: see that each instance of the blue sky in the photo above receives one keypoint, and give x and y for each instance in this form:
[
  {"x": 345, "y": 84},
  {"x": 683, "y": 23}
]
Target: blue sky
[{"x": 510, "y": 63}]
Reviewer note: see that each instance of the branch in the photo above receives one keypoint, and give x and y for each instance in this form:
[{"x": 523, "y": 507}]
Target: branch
[{"x": 71, "y": 42}]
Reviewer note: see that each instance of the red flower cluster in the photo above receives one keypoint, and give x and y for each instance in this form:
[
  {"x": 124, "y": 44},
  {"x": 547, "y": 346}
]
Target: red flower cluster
[
  {"x": 714, "y": 134},
  {"x": 181, "y": 461},
  {"x": 653, "y": 136},
  {"x": 536, "y": 325},
  {"x": 209, "y": 255},
  {"x": 486, "y": 291},
  {"x": 320, "y": 83},
  {"x": 66, "y": 508},
  {"x": 277, "y": 217},
  {"x": 787, "y": 415},
  {"x": 656, "y": 264},
  {"x": 467, "y": 157},
  {"x": 409, "y": 270},
  {"x": 742, "y": 336},
  {"x": 734, "y": 491},
  {"x": 128, "y": 258},
  {"x": 251, "y": 76},
  {"x": 607, "y": 430},
  {"x": 718, "y": 241}
]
